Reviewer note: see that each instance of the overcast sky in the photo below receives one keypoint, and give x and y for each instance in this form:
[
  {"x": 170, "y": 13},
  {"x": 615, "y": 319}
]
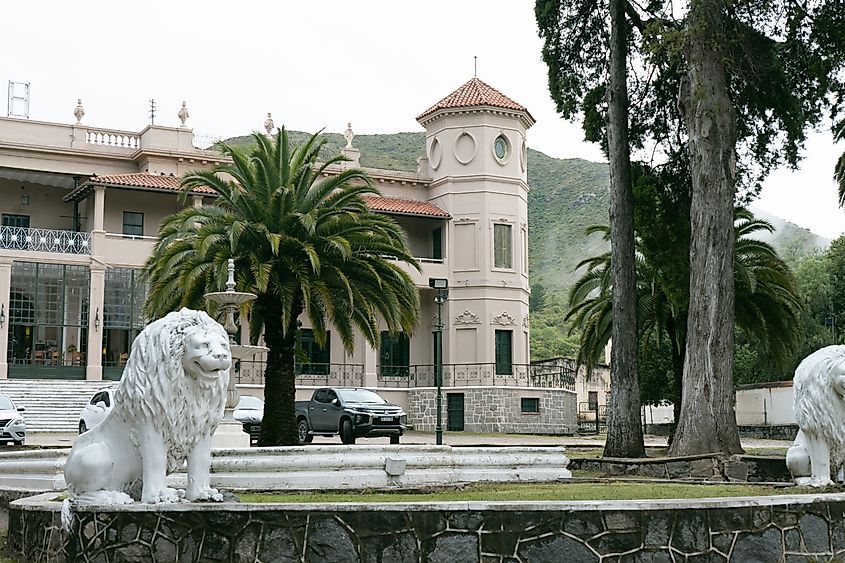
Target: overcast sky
[{"x": 316, "y": 65}]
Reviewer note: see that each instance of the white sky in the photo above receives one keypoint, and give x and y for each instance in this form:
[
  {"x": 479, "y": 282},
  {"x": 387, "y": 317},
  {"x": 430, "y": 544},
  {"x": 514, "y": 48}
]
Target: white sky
[{"x": 316, "y": 65}]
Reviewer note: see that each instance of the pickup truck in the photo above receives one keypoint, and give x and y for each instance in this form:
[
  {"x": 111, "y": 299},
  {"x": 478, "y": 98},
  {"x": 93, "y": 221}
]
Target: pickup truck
[{"x": 351, "y": 412}]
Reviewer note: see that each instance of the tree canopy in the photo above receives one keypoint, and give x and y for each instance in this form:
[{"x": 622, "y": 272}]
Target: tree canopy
[{"x": 302, "y": 242}]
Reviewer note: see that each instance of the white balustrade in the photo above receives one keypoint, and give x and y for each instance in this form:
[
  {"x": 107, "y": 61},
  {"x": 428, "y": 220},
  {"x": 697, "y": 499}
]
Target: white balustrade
[
  {"x": 111, "y": 138},
  {"x": 45, "y": 240}
]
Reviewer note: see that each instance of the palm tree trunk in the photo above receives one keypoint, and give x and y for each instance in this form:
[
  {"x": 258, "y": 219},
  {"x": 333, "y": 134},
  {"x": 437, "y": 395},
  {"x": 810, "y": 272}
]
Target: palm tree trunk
[
  {"x": 708, "y": 419},
  {"x": 279, "y": 424},
  {"x": 624, "y": 427},
  {"x": 677, "y": 343}
]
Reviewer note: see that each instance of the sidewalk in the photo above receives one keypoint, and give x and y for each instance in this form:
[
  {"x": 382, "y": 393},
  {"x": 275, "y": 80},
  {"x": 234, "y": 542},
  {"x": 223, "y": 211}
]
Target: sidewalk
[{"x": 456, "y": 439}]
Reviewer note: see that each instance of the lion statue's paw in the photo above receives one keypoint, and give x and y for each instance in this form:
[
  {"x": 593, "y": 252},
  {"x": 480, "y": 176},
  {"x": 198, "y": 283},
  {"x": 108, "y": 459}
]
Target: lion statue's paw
[
  {"x": 166, "y": 495},
  {"x": 104, "y": 497},
  {"x": 209, "y": 494}
]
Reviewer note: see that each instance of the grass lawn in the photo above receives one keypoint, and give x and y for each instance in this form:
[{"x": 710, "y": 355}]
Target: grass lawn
[{"x": 610, "y": 490}]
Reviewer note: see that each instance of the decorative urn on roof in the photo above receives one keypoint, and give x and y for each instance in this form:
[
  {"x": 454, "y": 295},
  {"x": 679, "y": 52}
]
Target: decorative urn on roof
[
  {"x": 183, "y": 114},
  {"x": 79, "y": 111}
]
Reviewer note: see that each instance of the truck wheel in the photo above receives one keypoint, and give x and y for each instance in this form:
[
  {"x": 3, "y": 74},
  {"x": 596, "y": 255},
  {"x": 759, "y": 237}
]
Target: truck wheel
[
  {"x": 302, "y": 435},
  {"x": 394, "y": 439},
  {"x": 346, "y": 434},
  {"x": 82, "y": 428}
]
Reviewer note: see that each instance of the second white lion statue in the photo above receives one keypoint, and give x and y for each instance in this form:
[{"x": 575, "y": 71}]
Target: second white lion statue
[
  {"x": 167, "y": 406},
  {"x": 819, "y": 404}
]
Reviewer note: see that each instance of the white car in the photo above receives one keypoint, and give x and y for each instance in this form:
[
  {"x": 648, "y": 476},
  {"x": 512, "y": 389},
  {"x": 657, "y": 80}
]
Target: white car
[
  {"x": 12, "y": 424},
  {"x": 96, "y": 409},
  {"x": 250, "y": 412}
]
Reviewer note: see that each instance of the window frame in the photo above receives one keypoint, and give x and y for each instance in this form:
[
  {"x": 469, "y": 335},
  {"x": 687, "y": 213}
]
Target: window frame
[
  {"x": 133, "y": 225},
  {"x": 401, "y": 342},
  {"x": 507, "y": 261},
  {"x": 524, "y": 401}
]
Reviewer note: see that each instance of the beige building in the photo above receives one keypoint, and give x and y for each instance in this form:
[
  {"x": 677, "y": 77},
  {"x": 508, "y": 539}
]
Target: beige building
[{"x": 81, "y": 207}]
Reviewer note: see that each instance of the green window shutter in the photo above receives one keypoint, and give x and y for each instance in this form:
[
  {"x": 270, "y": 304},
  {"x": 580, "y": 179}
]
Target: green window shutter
[
  {"x": 504, "y": 352},
  {"x": 404, "y": 353},
  {"x": 437, "y": 244},
  {"x": 502, "y": 251}
]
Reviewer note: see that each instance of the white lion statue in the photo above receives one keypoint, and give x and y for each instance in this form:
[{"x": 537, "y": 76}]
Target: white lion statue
[
  {"x": 819, "y": 402},
  {"x": 167, "y": 406}
]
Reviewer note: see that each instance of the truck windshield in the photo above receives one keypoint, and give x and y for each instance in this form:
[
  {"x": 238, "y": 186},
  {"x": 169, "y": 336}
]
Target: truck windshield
[{"x": 359, "y": 396}]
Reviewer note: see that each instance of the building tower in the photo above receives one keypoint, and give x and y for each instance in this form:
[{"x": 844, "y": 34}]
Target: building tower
[{"x": 476, "y": 158}]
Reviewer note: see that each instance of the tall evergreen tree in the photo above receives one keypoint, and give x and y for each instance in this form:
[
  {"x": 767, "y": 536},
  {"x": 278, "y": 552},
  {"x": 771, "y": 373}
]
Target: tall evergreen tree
[
  {"x": 624, "y": 430},
  {"x": 730, "y": 86}
]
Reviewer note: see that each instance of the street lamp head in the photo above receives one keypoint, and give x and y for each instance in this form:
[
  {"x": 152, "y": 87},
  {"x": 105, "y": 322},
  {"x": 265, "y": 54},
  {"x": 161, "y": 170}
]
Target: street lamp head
[{"x": 438, "y": 283}]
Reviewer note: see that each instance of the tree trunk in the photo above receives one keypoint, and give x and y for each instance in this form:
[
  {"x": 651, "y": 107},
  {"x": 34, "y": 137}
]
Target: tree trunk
[
  {"x": 677, "y": 344},
  {"x": 624, "y": 426},
  {"x": 278, "y": 427},
  {"x": 708, "y": 419}
]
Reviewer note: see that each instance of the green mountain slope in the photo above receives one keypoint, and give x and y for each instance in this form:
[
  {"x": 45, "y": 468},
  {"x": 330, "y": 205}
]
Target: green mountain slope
[{"x": 566, "y": 197}]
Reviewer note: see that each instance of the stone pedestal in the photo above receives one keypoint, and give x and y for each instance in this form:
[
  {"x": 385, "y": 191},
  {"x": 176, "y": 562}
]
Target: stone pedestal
[{"x": 230, "y": 434}]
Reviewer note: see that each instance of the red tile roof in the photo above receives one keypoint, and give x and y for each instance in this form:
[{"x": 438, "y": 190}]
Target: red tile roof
[
  {"x": 145, "y": 180},
  {"x": 401, "y": 206},
  {"x": 393, "y": 205},
  {"x": 474, "y": 93}
]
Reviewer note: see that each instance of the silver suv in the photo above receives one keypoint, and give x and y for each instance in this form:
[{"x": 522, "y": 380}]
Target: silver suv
[{"x": 12, "y": 424}]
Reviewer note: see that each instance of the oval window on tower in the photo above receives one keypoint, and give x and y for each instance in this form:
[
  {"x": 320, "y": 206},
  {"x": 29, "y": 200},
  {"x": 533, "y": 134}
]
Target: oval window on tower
[{"x": 501, "y": 148}]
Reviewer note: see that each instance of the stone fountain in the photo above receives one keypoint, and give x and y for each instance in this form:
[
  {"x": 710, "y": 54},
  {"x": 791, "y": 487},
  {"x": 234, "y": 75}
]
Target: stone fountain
[{"x": 230, "y": 433}]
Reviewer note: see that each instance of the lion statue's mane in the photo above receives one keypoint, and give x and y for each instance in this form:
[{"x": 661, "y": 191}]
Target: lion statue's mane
[
  {"x": 154, "y": 376},
  {"x": 168, "y": 404},
  {"x": 819, "y": 406}
]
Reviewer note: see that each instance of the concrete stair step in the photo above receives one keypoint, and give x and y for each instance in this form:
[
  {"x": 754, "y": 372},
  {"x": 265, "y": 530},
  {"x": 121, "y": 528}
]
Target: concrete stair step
[{"x": 51, "y": 406}]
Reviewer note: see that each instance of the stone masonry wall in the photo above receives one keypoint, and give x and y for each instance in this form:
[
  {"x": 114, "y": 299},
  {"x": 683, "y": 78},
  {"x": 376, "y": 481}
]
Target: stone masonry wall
[
  {"x": 498, "y": 409},
  {"x": 764, "y": 530}
]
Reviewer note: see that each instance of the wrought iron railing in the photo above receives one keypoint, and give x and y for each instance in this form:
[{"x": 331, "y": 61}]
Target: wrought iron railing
[
  {"x": 454, "y": 375},
  {"x": 45, "y": 240},
  {"x": 492, "y": 374},
  {"x": 330, "y": 375},
  {"x": 589, "y": 411}
]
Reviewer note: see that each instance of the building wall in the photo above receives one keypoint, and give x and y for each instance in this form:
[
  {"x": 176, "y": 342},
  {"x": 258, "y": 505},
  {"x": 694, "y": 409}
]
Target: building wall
[
  {"x": 155, "y": 207},
  {"x": 497, "y": 409},
  {"x": 46, "y": 210},
  {"x": 765, "y": 404},
  {"x": 474, "y": 187}
]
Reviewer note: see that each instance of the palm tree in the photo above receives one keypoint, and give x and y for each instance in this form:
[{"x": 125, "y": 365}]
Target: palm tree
[
  {"x": 302, "y": 243},
  {"x": 767, "y": 301}
]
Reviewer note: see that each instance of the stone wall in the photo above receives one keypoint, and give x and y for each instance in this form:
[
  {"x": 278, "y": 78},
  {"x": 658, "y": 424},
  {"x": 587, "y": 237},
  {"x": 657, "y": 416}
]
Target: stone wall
[
  {"x": 498, "y": 409},
  {"x": 766, "y": 529}
]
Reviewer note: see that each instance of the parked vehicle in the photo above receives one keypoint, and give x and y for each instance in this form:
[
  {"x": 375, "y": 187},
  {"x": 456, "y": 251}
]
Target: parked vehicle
[
  {"x": 350, "y": 412},
  {"x": 250, "y": 412},
  {"x": 96, "y": 409},
  {"x": 12, "y": 424}
]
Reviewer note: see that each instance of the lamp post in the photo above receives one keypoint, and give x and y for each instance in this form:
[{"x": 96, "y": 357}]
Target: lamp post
[{"x": 441, "y": 286}]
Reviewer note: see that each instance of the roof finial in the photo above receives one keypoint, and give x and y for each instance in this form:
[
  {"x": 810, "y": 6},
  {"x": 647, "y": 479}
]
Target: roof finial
[
  {"x": 475, "y": 65},
  {"x": 348, "y": 135},
  {"x": 152, "y": 111}
]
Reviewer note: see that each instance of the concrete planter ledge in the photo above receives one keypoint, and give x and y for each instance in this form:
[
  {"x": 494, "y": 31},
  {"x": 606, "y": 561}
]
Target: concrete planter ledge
[
  {"x": 328, "y": 467},
  {"x": 712, "y": 467},
  {"x": 770, "y": 529}
]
